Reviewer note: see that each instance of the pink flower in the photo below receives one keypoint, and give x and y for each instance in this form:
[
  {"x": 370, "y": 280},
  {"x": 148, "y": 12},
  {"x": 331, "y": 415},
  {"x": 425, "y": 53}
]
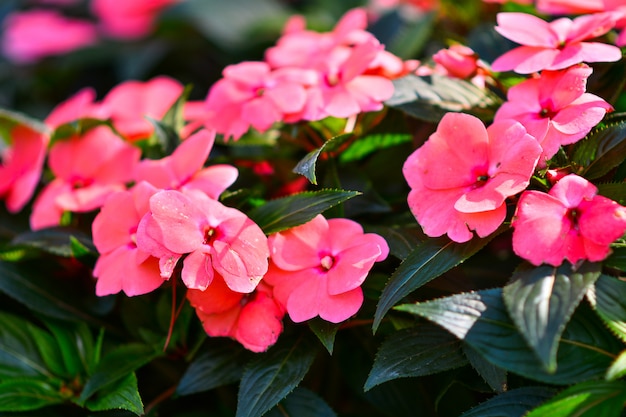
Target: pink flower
[
  {"x": 87, "y": 170},
  {"x": 128, "y": 19},
  {"x": 216, "y": 239},
  {"x": 458, "y": 61},
  {"x": 80, "y": 105},
  {"x": 317, "y": 268},
  {"x": 555, "y": 108},
  {"x": 183, "y": 169},
  {"x": 121, "y": 266},
  {"x": 21, "y": 163},
  {"x": 32, "y": 35},
  {"x": 129, "y": 103},
  {"x": 461, "y": 177},
  {"x": 554, "y": 45},
  {"x": 570, "y": 222},
  {"x": 254, "y": 320}
]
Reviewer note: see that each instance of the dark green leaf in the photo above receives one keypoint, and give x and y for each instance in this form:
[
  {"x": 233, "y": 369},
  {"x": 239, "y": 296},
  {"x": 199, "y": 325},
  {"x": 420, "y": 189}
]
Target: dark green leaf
[
  {"x": 493, "y": 375},
  {"x": 429, "y": 98},
  {"x": 617, "y": 259},
  {"x": 587, "y": 399},
  {"x": 271, "y": 376},
  {"x": 76, "y": 345},
  {"x": 302, "y": 403},
  {"x": 218, "y": 365},
  {"x": 307, "y": 165},
  {"x": 27, "y": 394},
  {"x": 417, "y": 351},
  {"x": 284, "y": 213},
  {"x": 481, "y": 320},
  {"x": 325, "y": 332},
  {"x": 608, "y": 298},
  {"x": 402, "y": 239},
  {"x": 412, "y": 36},
  {"x": 514, "y": 403},
  {"x": 616, "y": 191},
  {"x": 603, "y": 149},
  {"x": 56, "y": 240},
  {"x": 362, "y": 147},
  {"x": 123, "y": 395},
  {"x": 541, "y": 300},
  {"x": 429, "y": 260}
]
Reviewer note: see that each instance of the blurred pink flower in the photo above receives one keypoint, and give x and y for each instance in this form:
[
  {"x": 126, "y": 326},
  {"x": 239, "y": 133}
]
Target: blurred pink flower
[
  {"x": 317, "y": 268},
  {"x": 183, "y": 169},
  {"x": 554, "y": 45},
  {"x": 21, "y": 164},
  {"x": 121, "y": 266},
  {"x": 34, "y": 34},
  {"x": 461, "y": 177},
  {"x": 570, "y": 222},
  {"x": 458, "y": 61},
  {"x": 554, "y": 108},
  {"x": 216, "y": 239},
  {"x": 254, "y": 320},
  {"x": 87, "y": 170},
  {"x": 128, "y": 19},
  {"x": 80, "y": 105}
]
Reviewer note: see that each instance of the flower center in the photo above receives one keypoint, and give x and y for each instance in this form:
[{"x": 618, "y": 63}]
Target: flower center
[
  {"x": 209, "y": 235},
  {"x": 327, "y": 262}
]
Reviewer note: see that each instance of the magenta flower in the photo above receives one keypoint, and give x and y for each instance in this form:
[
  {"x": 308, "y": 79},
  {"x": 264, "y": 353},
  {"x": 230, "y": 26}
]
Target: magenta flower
[
  {"x": 254, "y": 320},
  {"x": 570, "y": 222},
  {"x": 554, "y": 45},
  {"x": 83, "y": 181},
  {"x": 183, "y": 169},
  {"x": 128, "y": 19},
  {"x": 461, "y": 177},
  {"x": 317, "y": 268},
  {"x": 215, "y": 238},
  {"x": 555, "y": 108},
  {"x": 121, "y": 266},
  {"x": 35, "y": 34},
  {"x": 21, "y": 163}
]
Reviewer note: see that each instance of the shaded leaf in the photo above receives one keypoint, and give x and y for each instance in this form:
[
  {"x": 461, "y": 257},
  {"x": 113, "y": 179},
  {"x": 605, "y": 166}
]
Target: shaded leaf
[
  {"x": 307, "y": 165},
  {"x": 27, "y": 394},
  {"x": 616, "y": 191},
  {"x": 617, "y": 259},
  {"x": 417, "y": 351},
  {"x": 12, "y": 117},
  {"x": 271, "y": 376},
  {"x": 302, "y": 403},
  {"x": 603, "y": 149},
  {"x": 123, "y": 395},
  {"x": 369, "y": 144},
  {"x": 493, "y": 375},
  {"x": 60, "y": 241},
  {"x": 513, "y": 403},
  {"x": 608, "y": 298},
  {"x": 325, "y": 332},
  {"x": 76, "y": 345},
  {"x": 541, "y": 300}
]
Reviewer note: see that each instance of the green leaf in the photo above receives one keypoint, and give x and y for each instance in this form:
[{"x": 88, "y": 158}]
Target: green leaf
[
  {"x": 77, "y": 127},
  {"x": 617, "y": 259},
  {"x": 218, "y": 365},
  {"x": 618, "y": 368},
  {"x": 493, "y": 375},
  {"x": 284, "y": 213},
  {"x": 608, "y": 298},
  {"x": 513, "y": 403},
  {"x": 481, "y": 320},
  {"x": 541, "y": 300},
  {"x": 587, "y": 399},
  {"x": 273, "y": 375},
  {"x": 325, "y": 332},
  {"x": 56, "y": 240},
  {"x": 116, "y": 365},
  {"x": 616, "y": 191},
  {"x": 429, "y": 98},
  {"x": 428, "y": 260},
  {"x": 307, "y": 165},
  {"x": 603, "y": 149},
  {"x": 123, "y": 395},
  {"x": 402, "y": 239},
  {"x": 417, "y": 351},
  {"x": 302, "y": 403},
  {"x": 412, "y": 36},
  {"x": 76, "y": 345},
  {"x": 369, "y": 144},
  {"x": 26, "y": 394}
]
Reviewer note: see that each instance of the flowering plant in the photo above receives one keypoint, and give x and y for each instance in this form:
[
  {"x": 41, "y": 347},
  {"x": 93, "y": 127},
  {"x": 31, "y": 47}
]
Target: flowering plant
[{"x": 409, "y": 209}]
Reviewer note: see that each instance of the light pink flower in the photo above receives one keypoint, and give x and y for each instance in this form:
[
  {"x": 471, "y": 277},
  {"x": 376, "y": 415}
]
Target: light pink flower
[
  {"x": 570, "y": 222},
  {"x": 254, "y": 320},
  {"x": 554, "y": 45},
  {"x": 458, "y": 61},
  {"x": 34, "y": 34},
  {"x": 317, "y": 268},
  {"x": 21, "y": 163},
  {"x": 87, "y": 170},
  {"x": 128, "y": 19},
  {"x": 554, "y": 108},
  {"x": 183, "y": 169},
  {"x": 129, "y": 103},
  {"x": 121, "y": 266},
  {"x": 461, "y": 177},
  {"x": 215, "y": 238}
]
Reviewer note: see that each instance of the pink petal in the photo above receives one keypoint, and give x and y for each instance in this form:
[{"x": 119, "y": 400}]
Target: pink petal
[
  {"x": 305, "y": 301},
  {"x": 297, "y": 248},
  {"x": 525, "y": 59},
  {"x": 213, "y": 180},
  {"x": 572, "y": 189},
  {"x": 217, "y": 298},
  {"x": 526, "y": 29},
  {"x": 197, "y": 273},
  {"x": 337, "y": 308},
  {"x": 190, "y": 156},
  {"x": 352, "y": 266},
  {"x": 119, "y": 271},
  {"x": 260, "y": 323},
  {"x": 46, "y": 212}
]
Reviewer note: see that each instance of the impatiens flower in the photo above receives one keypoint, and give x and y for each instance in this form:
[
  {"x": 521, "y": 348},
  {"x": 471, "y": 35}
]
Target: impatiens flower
[
  {"x": 571, "y": 222},
  {"x": 21, "y": 163},
  {"x": 458, "y": 61},
  {"x": 121, "y": 266},
  {"x": 318, "y": 268},
  {"x": 128, "y": 19},
  {"x": 80, "y": 105},
  {"x": 554, "y": 108},
  {"x": 87, "y": 170},
  {"x": 34, "y": 34},
  {"x": 183, "y": 169},
  {"x": 554, "y": 45},
  {"x": 462, "y": 175},
  {"x": 214, "y": 238},
  {"x": 254, "y": 320}
]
